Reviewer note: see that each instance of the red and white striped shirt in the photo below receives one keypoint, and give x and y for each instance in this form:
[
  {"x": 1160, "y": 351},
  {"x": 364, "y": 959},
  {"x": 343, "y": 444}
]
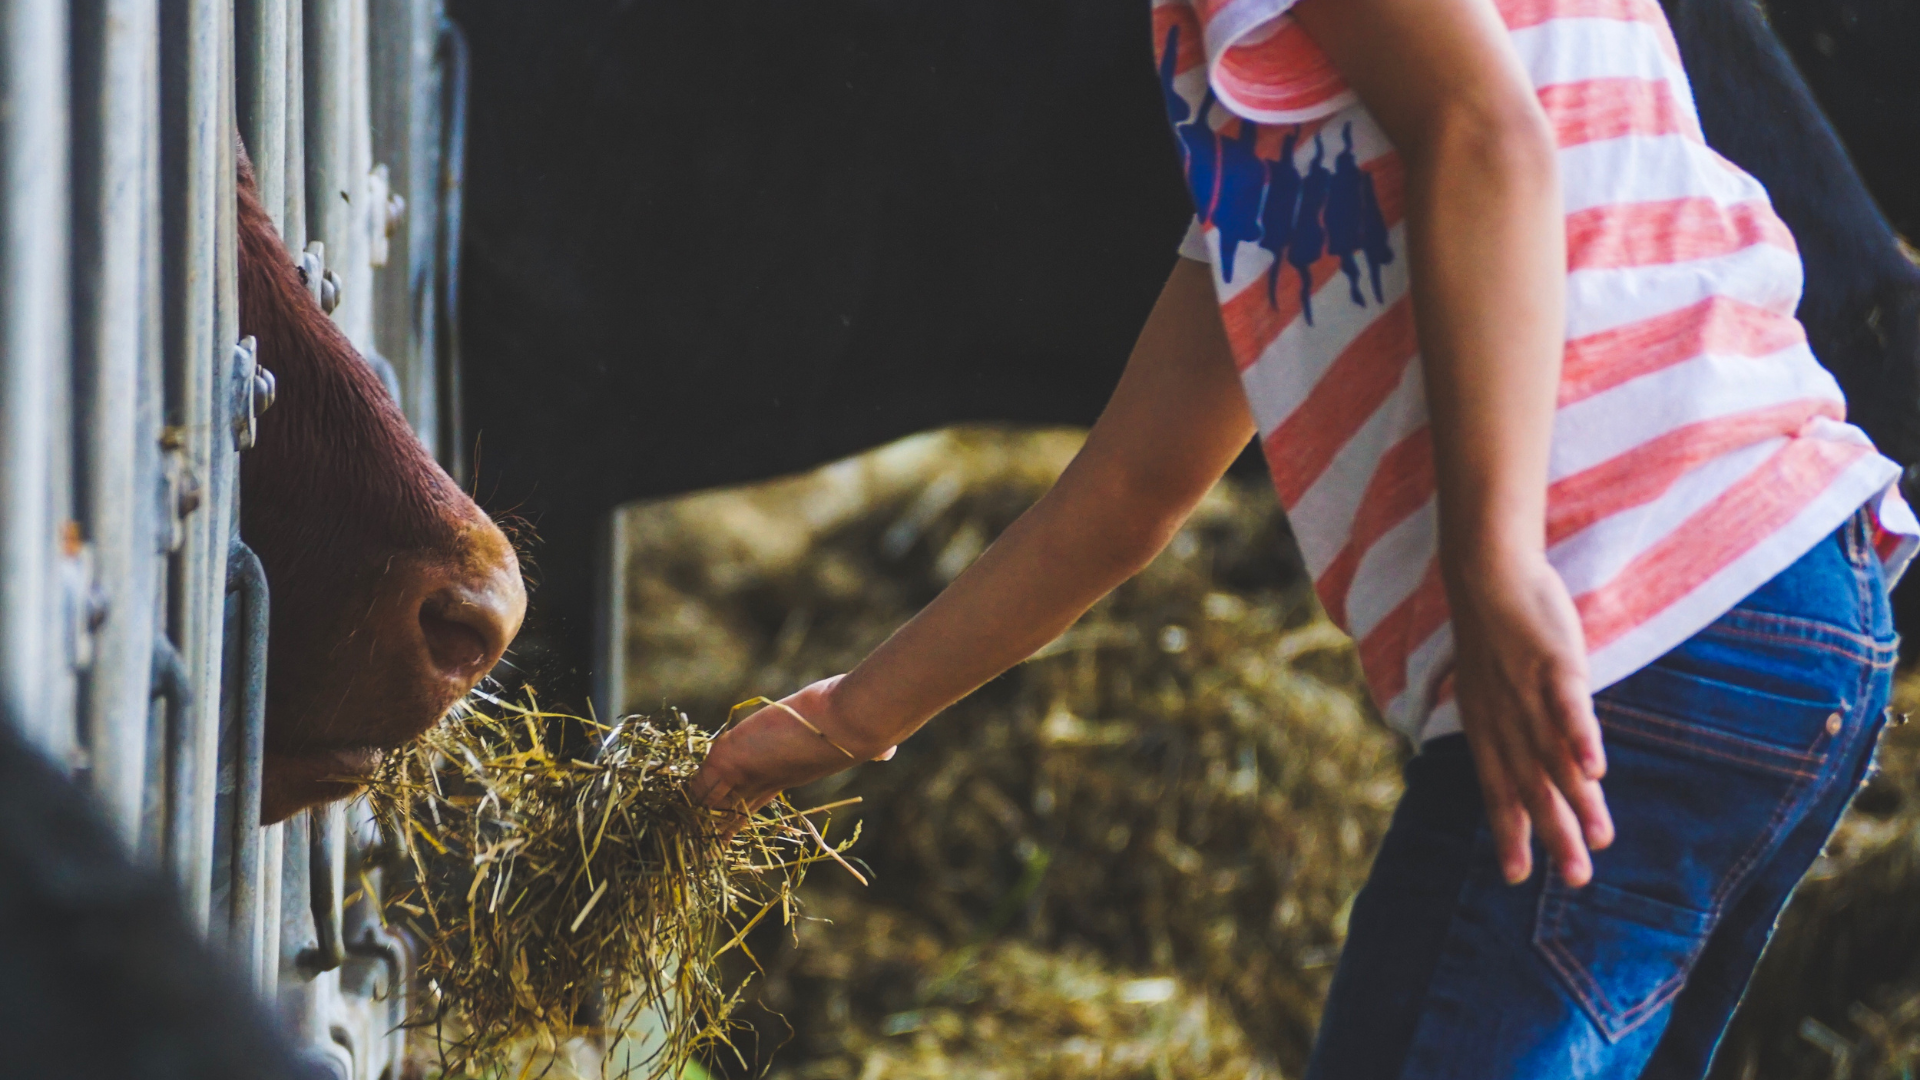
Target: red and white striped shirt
[{"x": 1698, "y": 449}]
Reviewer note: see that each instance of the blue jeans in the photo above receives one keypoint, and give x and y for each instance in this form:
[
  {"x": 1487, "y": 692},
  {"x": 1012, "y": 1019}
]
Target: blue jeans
[{"x": 1730, "y": 759}]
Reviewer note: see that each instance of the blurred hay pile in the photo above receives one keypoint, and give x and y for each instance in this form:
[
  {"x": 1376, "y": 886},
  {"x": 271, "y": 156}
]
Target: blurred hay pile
[
  {"x": 547, "y": 885},
  {"x": 890, "y": 999},
  {"x": 1185, "y": 784}
]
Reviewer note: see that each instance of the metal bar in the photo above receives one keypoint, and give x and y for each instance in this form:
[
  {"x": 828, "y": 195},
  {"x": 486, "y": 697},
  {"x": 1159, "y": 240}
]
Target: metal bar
[
  {"x": 293, "y": 226},
  {"x": 272, "y": 862},
  {"x": 33, "y": 348},
  {"x": 609, "y": 687},
  {"x": 455, "y": 68},
  {"x": 325, "y": 117},
  {"x": 190, "y": 72},
  {"x": 260, "y": 52},
  {"x": 326, "y": 852},
  {"x": 115, "y": 110},
  {"x": 248, "y": 579}
]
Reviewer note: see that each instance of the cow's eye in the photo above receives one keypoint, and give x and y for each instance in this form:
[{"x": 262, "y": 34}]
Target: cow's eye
[{"x": 302, "y": 271}]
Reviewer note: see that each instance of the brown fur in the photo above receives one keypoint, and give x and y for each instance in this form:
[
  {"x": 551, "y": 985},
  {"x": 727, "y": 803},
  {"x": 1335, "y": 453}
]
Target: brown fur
[{"x": 356, "y": 524}]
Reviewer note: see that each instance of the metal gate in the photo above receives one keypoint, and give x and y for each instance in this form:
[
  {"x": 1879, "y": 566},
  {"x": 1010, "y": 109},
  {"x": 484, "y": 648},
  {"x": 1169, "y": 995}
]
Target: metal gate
[{"x": 132, "y": 619}]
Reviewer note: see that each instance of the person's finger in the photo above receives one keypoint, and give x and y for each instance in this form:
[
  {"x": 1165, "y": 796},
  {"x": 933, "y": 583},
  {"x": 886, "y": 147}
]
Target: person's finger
[
  {"x": 1560, "y": 834},
  {"x": 1572, "y": 711},
  {"x": 1506, "y": 817},
  {"x": 1580, "y": 792},
  {"x": 1552, "y": 820}
]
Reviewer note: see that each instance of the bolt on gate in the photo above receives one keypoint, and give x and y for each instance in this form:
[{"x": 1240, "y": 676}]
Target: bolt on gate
[{"x": 133, "y": 621}]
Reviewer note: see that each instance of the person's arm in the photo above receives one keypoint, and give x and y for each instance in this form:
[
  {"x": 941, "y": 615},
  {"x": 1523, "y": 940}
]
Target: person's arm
[
  {"x": 1176, "y": 421},
  {"x": 1486, "y": 234}
]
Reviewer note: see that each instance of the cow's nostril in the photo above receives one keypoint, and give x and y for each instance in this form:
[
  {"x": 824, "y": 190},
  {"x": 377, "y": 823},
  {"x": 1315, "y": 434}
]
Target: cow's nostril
[
  {"x": 455, "y": 648},
  {"x": 465, "y": 631}
]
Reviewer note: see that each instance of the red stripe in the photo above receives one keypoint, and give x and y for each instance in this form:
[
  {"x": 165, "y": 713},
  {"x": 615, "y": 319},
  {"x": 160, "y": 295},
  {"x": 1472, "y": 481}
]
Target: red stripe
[
  {"x": 1716, "y": 326},
  {"x": 1192, "y": 50},
  {"x": 1599, "y": 109},
  {"x": 1647, "y": 471},
  {"x": 1252, "y": 323},
  {"x": 1714, "y": 537},
  {"x": 1384, "y": 651},
  {"x": 1520, "y": 14},
  {"x": 1305, "y": 443},
  {"x": 1400, "y": 485},
  {"x": 1674, "y": 230},
  {"x": 1286, "y": 72}
]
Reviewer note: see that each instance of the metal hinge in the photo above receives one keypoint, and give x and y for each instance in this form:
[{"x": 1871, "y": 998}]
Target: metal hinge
[
  {"x": 388, "y": 210},
  {"x": 323, "y": 283},
  {"x": 83, "y": 602},
  {"x": 253, "y": 388},
  {"x": 179, "y": 491}
]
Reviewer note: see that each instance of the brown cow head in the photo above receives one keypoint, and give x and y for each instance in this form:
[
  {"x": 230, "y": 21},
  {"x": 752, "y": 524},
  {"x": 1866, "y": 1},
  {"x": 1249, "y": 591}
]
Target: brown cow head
[{"x": 392, "y": 593}]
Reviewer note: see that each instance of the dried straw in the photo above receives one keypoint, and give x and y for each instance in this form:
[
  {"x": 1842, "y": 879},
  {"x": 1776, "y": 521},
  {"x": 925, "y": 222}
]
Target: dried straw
[{"x": 552, "y": 888}]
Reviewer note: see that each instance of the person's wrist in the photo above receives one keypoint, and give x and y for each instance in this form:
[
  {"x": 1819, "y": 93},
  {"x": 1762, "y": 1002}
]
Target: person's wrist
[{"x": 843, "y": 720}]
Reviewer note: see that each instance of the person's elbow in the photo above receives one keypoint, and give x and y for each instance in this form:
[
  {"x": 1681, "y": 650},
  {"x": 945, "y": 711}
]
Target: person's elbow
[
  {"x": 1144, "y": 504},
  {"x": 1507, "y": 137}
]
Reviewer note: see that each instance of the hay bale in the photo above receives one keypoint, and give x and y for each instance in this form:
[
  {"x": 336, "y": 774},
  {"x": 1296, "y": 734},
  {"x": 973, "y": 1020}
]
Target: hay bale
[{"x": 549, "y": 883}]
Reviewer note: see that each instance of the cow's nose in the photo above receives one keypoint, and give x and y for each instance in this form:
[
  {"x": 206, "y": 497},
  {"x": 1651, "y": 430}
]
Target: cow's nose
[{"x": 468, "y": 625}]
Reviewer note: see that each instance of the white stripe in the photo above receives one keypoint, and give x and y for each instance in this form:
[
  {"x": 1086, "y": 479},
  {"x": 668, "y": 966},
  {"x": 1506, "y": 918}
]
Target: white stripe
[
  {"x": 1649, "y": 168},
  {"x": 1392, "y": 569},
  {"x": 1685, "y": 617},
  {"x": 1430, "y": 659},
  {"x": 1569, "y": 50},
  {"x": 1596, "y": 554},
  {"x": 1297, "y": 358},
  {"x": 1322, "y": 517},
  {"x": 1622, "y": 418},
  {"x": 1759, "y": 274}
]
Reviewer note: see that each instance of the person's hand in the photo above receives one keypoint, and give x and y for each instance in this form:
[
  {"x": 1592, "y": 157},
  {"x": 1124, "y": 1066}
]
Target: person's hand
[
  {"x": 772, "y": 751},
  {"x": 1521, "y": 683}
]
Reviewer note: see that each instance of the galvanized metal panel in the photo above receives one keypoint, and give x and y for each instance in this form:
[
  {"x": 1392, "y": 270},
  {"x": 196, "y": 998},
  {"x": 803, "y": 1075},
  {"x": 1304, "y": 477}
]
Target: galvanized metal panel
[
  {"x": 33, "y": 351},
  {"x": 117, "y": 463}
]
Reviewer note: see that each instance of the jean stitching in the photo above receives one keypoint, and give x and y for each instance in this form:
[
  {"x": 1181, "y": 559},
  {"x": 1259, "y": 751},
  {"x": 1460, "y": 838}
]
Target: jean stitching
[
  {"x": 1872, "y": 652},
  {"x": 1613, "y": 1021},
  {"x": 1730, "y": 748},
  {"x": 1616, "y": 1023}
]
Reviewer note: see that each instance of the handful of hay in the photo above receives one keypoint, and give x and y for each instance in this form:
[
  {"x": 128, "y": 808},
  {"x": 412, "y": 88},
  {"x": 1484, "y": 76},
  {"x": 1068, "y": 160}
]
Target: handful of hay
[{"x": 552, "y": 890}]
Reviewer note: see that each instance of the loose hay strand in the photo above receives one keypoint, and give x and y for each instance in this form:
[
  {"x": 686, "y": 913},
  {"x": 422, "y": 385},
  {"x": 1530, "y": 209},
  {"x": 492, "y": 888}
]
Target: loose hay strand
[{"x": 623, "y": 891}]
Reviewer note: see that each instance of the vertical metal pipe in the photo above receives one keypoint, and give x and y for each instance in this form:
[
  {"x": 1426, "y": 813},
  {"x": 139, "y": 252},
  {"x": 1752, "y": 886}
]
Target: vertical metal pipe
[
  {"x": 260, "y": 53},
  {"x": 114, "y": 112},
  {"x": 454, "y": 68},
  {"x": 609, "y": 618},
  {"x": 248, "y": 580},
  {"x": 293, "y": 227},
  {"x": 190, "y": 71},
  {"x": 325, "y": 119},
  {"x": 33, "y": 350},
  {"x": 272, "y": 862}
]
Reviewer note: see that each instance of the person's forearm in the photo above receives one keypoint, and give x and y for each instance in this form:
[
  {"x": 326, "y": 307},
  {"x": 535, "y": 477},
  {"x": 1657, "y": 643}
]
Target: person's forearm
[
  {"x": 1487, "y": 243},
  {"x": 1042, "y": 574},
  {"x": 1174, "y": 424},
  {"x": 1488, "y": 247}
]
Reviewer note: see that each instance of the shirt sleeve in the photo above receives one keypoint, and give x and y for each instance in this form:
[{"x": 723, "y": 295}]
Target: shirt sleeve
[{"x": 1264, "y": 67}]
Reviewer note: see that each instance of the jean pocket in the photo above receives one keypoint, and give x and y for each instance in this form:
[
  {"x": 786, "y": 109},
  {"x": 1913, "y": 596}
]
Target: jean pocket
[
  {"x": 1621, "y": 956},
  {"x": 1720, "y": 721}
]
